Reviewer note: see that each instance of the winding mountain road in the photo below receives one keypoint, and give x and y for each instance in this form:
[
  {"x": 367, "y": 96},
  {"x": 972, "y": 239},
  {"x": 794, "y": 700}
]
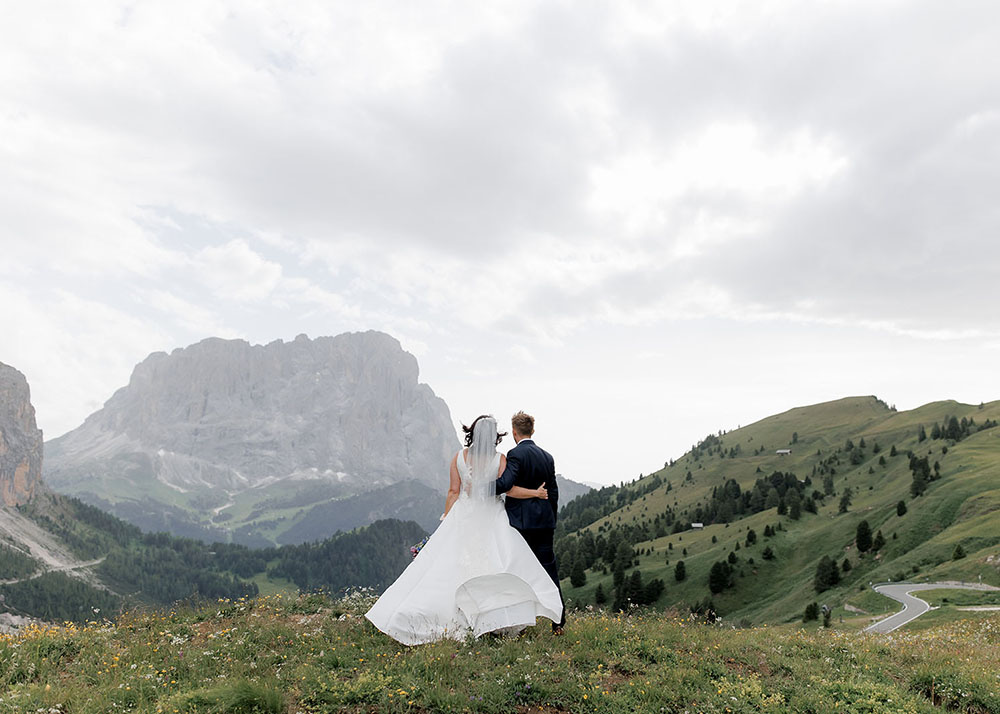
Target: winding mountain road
[
  {"x": 68, "y": 568},
  {"x": 52, "y": 556},
  {"x": 913, "y": 607}
]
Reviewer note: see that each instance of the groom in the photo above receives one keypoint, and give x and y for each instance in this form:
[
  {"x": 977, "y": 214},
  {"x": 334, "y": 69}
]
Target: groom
[{"x": 529, "y": 466}]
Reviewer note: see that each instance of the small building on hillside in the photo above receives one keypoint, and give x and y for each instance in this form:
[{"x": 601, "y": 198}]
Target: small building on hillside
[
  {"x": 697, "y": 526},
  {"x": 783, "y": 452}
]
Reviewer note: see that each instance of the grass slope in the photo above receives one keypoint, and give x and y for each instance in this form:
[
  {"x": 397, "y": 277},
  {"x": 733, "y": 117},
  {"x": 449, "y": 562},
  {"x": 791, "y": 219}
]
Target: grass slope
[
  {"x": 132, "y": 568},
  {"x": 313, "y": 654},
  {"x": 960, "y": 508}
]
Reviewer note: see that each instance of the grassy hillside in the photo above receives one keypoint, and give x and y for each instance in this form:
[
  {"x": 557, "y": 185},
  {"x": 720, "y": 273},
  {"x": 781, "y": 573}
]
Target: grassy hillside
[
  {"x": 313, "y": 654},
  {"x": 118, "y": 567},
  {"x": 653, "y": 514}
]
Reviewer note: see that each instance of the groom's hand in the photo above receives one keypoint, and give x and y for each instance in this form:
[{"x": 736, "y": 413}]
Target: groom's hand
[{"x": 542, "y": 493}]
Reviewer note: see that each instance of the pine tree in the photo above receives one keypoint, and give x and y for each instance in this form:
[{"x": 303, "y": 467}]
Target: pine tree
[
  {"x": 901, "y": 508},
  {"x": 719, "y": 577},
  {"x": 827, "y": 574},
  {"x": 599, "y": 595},
  {"x": 828, "y": 485},
  {"x": 958, "y": 553},
  {"x": 846, "y": 565},
  {"x": 863, "y": 537},
  {"x": 623, "y": 556},
  {"x": 680, "y": 572},
  {"x": 878, "y": 542},
  {"x": 621, "y": 599},
  {"x": 767, "y": 554},
  {"x": 845, "y": 500},
  {"x": 577, "y": 577},
  {"x": 635, "y": 589},
  {"x": 651, "y": 593}
]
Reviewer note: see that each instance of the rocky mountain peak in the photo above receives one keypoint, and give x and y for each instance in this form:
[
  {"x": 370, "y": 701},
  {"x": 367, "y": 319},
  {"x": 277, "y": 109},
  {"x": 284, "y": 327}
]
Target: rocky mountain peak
[
  {"x": 231, "y": 421},
  {"x": 20, "y": 440}
]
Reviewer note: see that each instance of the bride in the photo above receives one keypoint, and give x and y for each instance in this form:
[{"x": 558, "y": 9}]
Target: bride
[{"x": 476, "y": 574}]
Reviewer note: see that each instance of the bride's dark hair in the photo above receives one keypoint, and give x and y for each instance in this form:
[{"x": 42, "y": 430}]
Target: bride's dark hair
[{"x": 469, "y": 429}]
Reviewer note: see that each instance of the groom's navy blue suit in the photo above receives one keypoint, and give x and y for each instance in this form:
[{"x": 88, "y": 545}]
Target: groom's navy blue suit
[{"x": 529, "y": 466}]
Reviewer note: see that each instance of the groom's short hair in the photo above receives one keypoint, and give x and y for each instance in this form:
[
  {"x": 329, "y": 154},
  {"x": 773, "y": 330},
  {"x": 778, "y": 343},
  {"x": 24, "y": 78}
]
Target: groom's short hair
[{"x": 524, "y": 424}]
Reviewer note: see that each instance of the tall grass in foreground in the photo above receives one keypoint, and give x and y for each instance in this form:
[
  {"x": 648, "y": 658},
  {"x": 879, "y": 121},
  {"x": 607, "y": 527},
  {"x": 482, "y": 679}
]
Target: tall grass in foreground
[{"x": 315, "y": 654}]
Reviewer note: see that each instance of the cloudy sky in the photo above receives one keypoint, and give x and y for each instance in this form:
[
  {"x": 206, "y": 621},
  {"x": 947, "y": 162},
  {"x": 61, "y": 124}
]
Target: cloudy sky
[{"x": 642, "y": 222}]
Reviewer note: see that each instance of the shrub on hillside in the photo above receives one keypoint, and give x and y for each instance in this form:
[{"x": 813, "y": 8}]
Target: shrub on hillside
[{"x": 811, "y": 613}]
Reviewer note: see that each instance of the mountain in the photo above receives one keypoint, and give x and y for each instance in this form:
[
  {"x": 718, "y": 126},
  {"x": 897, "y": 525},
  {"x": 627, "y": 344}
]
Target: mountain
[
  {"x": 61, "y": 559},
  {"x": 570, "y": 490},
  {"x": 261, "y": 444},
  {"x": 20, "y": 440},
  {"x": 781, "y": 500}
]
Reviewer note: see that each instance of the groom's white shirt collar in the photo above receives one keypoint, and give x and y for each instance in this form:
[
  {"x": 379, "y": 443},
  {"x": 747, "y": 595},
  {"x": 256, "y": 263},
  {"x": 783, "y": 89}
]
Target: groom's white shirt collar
[{"x": 527, "y": 438}]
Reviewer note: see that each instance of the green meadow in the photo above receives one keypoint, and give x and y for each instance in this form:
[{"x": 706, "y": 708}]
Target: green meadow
[{"x": 312, "y": 653}]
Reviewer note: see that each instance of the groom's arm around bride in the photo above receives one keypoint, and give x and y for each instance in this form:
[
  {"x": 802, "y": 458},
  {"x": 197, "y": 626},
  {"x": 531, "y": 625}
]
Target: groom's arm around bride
[{"x": 529, "y": 466}]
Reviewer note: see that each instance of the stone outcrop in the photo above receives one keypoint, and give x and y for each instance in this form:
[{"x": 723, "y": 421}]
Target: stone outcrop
[
  {"x": 278, "y": 427},
  {"x": 20, "y": 440}
]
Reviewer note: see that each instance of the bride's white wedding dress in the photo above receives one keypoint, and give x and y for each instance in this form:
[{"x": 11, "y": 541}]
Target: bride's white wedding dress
[{"x": 475, "y": 575}]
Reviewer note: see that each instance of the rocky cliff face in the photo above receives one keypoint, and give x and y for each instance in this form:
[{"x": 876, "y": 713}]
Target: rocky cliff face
[
  {"x": 239, "y": 435},
  {"x": 20, "y": 440}
]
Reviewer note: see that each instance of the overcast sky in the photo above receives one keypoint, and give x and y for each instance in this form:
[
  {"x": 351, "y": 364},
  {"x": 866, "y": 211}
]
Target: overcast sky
[{"x": 642, "y": 222}]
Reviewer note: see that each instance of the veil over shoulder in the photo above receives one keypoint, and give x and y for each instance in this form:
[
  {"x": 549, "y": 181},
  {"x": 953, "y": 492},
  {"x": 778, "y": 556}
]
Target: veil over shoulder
[{"x": 475, "y": 574}]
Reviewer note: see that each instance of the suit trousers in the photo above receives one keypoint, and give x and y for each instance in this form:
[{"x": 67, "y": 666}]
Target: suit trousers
[{"x": 540, "y": 542}]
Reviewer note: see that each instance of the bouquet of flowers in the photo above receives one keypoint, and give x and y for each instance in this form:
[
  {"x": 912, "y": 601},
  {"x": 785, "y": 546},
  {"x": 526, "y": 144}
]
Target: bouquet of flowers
[{"x": 417, "y": 547}]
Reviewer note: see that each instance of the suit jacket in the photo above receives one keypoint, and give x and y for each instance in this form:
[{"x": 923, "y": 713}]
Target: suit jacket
[{"x": 529, "y": 466}]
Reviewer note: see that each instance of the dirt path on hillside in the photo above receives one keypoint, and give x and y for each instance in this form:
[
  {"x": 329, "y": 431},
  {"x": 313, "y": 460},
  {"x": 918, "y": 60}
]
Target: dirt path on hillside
[
  {"x": 60, "y": 569},
  {"x": 43, "y": 547}
]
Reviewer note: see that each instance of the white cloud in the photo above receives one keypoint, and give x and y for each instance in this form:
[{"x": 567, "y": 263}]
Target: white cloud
[
  {"x": 75, "y": 352},
  {"x": 521, "y": 354},
  {"x": 505, "y": 184},
  {"x": 235, "y": 272},
  {"x": 191, "y": 318}
]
